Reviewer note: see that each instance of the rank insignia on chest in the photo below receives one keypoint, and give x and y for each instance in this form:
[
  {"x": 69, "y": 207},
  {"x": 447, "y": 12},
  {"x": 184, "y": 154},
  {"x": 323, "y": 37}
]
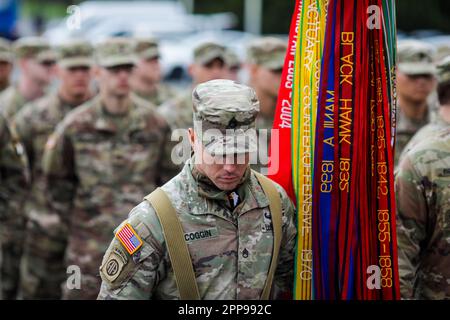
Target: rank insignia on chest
[{"x": 129, "y": 238}]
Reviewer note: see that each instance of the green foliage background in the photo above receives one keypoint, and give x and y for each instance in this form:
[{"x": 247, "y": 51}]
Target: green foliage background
[{"x": 411, "y": 14}]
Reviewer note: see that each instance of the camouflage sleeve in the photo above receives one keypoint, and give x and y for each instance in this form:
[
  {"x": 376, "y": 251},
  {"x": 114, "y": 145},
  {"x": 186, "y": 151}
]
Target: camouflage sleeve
[
  {"x": 412, "y": 221},
  {"x": 13, "y": 186},
  {"x": 13, "y": 171},
  {"x": 136, "y": 276},
  {"x": 167, "y": 165},
  {"x": 23, "y": 126},
  {"x": 284, "y": 275},
  {"x": 59, "y": 169},
  {"x": 60, "y": 186}
]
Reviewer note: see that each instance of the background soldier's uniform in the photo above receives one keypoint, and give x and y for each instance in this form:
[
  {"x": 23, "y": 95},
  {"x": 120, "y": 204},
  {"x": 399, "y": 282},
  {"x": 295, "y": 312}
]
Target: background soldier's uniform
[
  {"x": 230, "y": 243},
  {"x": 437, "y": 124},
  {"x": 5, "y": 56},
  {"x": 147, "y": 48},
  {"x": 423, "y": 220},
  {"x": 413, "y": 58},
  {"x": 11, "y": 101},
  {"x": 34, "y": 124},
  {"x": 98, "y": 165},
  {"x": 13, "y": 179}
]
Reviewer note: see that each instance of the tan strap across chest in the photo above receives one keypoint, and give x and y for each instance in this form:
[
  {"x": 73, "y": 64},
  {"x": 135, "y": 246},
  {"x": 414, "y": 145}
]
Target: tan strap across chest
[{"x": 178, "y": 249}]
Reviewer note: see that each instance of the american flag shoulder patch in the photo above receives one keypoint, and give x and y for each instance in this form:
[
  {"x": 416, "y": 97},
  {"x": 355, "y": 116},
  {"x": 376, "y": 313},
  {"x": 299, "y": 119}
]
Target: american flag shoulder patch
[{"x": 129, "y": 238}]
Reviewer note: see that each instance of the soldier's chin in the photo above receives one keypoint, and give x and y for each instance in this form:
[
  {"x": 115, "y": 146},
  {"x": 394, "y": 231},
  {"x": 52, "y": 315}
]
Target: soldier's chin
[{"x": 226, "y": 185}]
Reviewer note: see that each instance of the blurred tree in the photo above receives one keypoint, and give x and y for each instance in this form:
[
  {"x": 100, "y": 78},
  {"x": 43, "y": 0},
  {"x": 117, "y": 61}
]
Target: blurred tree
[{"x": 419, "y": 14}]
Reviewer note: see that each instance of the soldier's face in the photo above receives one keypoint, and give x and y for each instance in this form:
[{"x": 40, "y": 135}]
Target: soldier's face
[
  {"x": 41, "y": 72},
  {"x": 265, "y": 80},
  {"x": 216, "y": 69},
  {"x": 148, "y": 70},
  {"x": 224, "y": 171},
  {"x": 115, "y": 80},
  {"x": 415, "y": 87},
  {"x": 75, "y": 80},
  {"x": 5, "y": 71}
]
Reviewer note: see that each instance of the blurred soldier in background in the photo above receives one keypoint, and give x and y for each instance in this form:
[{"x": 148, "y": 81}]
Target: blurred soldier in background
[
  {"x": 415, "y": 82},
  {"x": 146, "y": 78},
  {"x": 265, "y": 60},
  {"x": 103, "y": 158},
  {"x": 34, "y": 124},
  {"x": 423, "y": 202},
  {"x": 13, "y": 180},
  {"x": 423, "y": 224},
  {"x": 442, "y": 118},
  {"x": 6, "y": 63},
  {"x": 36, "y": 62},
  {"x": 233, "y": 65},
  {"x": 209, "y": 64}
]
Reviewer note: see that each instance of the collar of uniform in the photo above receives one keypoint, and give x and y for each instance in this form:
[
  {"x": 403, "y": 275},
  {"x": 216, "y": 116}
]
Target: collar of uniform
[
  {"x": 405, "y": 123},
  {"x": 254, "y": 195},
  {"x": 105, "y": 122}
]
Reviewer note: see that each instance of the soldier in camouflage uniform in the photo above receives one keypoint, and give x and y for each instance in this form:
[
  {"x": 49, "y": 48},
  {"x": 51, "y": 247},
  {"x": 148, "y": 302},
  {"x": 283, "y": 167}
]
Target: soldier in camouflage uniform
[
  {"x": 6, "y": 63},
  {"x": 415, "y": 82},
  {"x": 146, "y": 78},
  {"x": 423, "y": 219},
  {"x": 34, "y": 123},
  {"x": 13, "y": 181},
  {"x": 442, "y": 119},
  {"x": 223, "y": 211},
  {"x": 36, "y": 62},
  {"x": 265, "y": 60},
  {"x": 103, "y": 158},
  {"x": 209, "y": 64}
]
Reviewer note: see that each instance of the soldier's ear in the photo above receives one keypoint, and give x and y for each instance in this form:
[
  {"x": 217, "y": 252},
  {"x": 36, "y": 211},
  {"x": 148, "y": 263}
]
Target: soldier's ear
[
  {"x": 191, "y": 70},
  {"x": 23, "y": 64},
  {"x": 252, "y": 69},
  {"x": 192, "y": 136}
]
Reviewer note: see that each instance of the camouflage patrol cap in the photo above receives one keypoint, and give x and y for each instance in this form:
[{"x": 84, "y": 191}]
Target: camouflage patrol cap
[
  {"x": 224, "y": 116},
  {"x": 115, "y": 51},
  {"x": 76, "y": 53},
  {"x": 268, "y": 52},
  {"x": 207, "y": 52},
  {"x": 34, "y": 47},
  {"x": 147, "y": 48},
  {"x": 415, "y": 57},
  {"x": 231, "y": 59},
  {"x": 443, "y": 70},
  {"x": 5, "y": 51}
]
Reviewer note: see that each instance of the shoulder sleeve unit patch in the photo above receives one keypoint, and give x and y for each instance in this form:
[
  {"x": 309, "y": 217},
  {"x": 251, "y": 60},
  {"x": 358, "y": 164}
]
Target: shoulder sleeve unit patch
[{"x": 129, "y": 238}]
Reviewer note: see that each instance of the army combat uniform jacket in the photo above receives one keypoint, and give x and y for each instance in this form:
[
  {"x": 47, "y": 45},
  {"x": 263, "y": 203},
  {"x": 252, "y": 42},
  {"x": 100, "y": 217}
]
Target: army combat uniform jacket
[
  {"x": 231, "y": 249},
  {"x": 423, "y": 223},
  {"x": 13, "y": 183},
  {"x": 98, "y": 166},
  {"x": 34, "y": 123}
]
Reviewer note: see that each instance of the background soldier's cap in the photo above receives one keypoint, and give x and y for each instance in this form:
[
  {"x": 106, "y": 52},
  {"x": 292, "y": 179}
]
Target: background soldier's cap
[
  {"x": 268, "y": 52},
  {"x": 76, "y": 53},
  {"x": 443, "y": 70},
  {"x": 207, "y": 52},
  {"x": 34, "y": 47},
  {"x": 6, "y": 54},
  {"x": 415, "y": 57},
  {"x": 224, "y": 116},
  {"x": 147, "y": 48},
  {"x": 115, "y": 52},
  {"x": 232, "y": 59}
]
